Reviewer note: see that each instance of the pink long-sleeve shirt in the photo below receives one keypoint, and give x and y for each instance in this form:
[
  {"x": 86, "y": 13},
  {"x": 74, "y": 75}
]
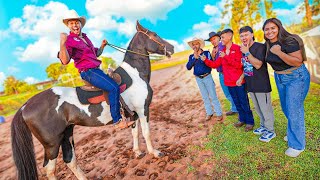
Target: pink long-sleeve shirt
[{"x": 84, "y": 55}]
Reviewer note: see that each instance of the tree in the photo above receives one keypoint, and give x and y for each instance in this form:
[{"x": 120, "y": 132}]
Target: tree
[
  {"x": 54, "y": 70},
  {"x": 253, "y": 14},
  {"x": 308, "y": 13},
  {"x": 315, "y": 7},
  {"x": 106, "y": 62},
  {"x": 237, "y": 18},
  {"x": 11, "y": 85},
  {"x": 268, "y": 9},
  {"x": 243, "y": 13},
  {"x": 15, "y": 86},
  {"x": 310, "y": 10}
]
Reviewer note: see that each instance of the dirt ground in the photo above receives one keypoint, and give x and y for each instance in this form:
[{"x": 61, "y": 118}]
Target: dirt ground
[{"x": 177, "y": 127}]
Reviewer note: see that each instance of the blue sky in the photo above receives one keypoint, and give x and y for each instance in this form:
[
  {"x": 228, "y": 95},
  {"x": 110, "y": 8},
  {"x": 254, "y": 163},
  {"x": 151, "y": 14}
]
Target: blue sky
[{"x": 29, "y": 29}]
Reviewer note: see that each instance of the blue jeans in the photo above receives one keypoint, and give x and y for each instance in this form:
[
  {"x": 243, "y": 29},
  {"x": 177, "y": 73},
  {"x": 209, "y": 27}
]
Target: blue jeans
[
  {"x": 99, "y": 79},
  {"x": 293, "y": 89},
  {"x": 209, "y": 95},
  {"x": 226, "y": 92},
  {"x": 240, "y": 99}
]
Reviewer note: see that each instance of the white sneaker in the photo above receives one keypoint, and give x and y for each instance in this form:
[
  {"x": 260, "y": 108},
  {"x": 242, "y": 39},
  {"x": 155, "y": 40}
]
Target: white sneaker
[
  {"x": 293, "y": 152},
  {"x": 261, "y": 130},
  {"x": 285, "y": 138},
  {"x": 267, "y": 136}
]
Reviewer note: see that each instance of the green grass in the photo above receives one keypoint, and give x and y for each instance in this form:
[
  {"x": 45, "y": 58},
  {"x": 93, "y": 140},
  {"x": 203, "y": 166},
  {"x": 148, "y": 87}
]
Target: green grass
[
  {"x": 241, "y": 155},
  {"x": 158, "y": 66},
  {"x": 10, "y": 104}
]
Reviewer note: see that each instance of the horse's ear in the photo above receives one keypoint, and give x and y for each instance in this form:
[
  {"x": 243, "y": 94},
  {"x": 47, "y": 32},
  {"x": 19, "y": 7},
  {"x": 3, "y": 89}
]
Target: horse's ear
[{"x": 139, "y": 27}]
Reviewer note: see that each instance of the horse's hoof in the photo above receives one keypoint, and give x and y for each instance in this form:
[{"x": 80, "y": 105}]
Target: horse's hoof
[
  {"x": 161, "y": 154},
  {"x": 141, "y": 155}
]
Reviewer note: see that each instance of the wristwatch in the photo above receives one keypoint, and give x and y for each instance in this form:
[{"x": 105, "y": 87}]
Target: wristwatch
[{"x": 247, "y": 54}]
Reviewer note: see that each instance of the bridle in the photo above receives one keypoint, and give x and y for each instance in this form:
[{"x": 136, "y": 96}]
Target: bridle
[{"x": 123, "y": 50}]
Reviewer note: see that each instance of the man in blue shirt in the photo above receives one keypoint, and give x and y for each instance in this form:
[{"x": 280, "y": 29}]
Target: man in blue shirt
[
  {"x": 204, "y": 78},
  {"x": 214, "y": 38}
]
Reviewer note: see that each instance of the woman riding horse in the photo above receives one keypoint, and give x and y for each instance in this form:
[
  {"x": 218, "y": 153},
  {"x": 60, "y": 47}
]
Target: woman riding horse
[{"x": 78, "y": 46}]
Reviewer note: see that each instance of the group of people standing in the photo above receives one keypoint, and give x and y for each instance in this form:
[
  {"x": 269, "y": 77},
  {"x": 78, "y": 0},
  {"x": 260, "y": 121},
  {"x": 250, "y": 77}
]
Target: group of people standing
[{"x": 243, "y": 69}]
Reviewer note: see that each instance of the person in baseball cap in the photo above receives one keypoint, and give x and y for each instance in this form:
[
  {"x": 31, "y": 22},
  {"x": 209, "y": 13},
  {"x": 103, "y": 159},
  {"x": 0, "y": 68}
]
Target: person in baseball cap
[{"x": 212, "y": 34}]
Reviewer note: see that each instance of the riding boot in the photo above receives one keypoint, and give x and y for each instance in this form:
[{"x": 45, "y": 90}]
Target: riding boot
[{"x": 125, "y": 106}]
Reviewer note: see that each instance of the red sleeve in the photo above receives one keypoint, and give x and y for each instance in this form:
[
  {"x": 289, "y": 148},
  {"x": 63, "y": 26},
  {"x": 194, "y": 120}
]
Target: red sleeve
[
  {"x": 234, "y": 59},
  {"x": 213, "y": 64}
]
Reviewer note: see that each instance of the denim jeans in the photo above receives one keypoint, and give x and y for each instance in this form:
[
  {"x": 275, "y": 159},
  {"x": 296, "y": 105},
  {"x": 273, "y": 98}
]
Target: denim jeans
[
  {"x": 226, "y": 92},
  {"x": 293, "y": 89},
  {"x": 100, "y": 80},
  {"x": 209, "y": 95},
  {"x": 240, "y": 99}
]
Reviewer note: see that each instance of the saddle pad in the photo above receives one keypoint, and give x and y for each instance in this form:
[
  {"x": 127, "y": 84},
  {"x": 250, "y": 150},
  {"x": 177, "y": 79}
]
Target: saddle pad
[
  {"x": 125, "y": 78},
  {"x": 83, "y": 95}
]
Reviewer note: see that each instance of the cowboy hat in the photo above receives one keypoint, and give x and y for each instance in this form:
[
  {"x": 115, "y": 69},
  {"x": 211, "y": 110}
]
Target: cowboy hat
[
  {"x": 200, "y": 40},
  {"x": 72, "y": 15},
  {"x": 211, "y": 34}
]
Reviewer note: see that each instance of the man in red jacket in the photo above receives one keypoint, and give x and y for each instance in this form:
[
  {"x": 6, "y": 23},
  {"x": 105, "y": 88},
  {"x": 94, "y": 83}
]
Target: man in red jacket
[{"x": 230, "y": 59}]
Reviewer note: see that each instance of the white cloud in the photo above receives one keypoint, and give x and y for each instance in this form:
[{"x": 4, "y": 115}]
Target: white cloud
[
  {"x": 101, "y": 22},
  {"x": 44, "y": 23},
  {"x": 316, "y": 17},
  {"x": 13, "y": 69},
  {"x": 117, "y": 56},
  {"x": 128, "y": 9},
  {"x": 211, "y": 10},
  {"x": 128, "y": 27},
  {"x": 292, "y": 2},
  {"x": 42, "y": 51},
  {"x": 31, "y": 80},
  {"x": 40, "y": 21},
  {"x": 177, "y": 47},
  {"x": 290, "y": 15},
  {"x": 202, "y": 29},
  {"x": 2, "y": 77},
  {"x": 121, "y": 16}
]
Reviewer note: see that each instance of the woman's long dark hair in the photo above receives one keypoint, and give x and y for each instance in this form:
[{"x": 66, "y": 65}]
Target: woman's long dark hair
[{"x": 284, "y": 37}]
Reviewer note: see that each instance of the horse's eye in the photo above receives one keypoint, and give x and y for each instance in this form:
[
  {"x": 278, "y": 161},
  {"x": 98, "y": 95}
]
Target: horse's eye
[{"x": 155, "y": 34}]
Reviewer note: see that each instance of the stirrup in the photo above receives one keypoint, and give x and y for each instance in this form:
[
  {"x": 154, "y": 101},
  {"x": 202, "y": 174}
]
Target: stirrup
[{"x": 125, "y": 125}]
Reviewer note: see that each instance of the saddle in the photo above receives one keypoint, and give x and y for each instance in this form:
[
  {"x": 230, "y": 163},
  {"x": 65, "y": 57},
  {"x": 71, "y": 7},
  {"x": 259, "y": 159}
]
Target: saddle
[{"x": 89, "y": 94}]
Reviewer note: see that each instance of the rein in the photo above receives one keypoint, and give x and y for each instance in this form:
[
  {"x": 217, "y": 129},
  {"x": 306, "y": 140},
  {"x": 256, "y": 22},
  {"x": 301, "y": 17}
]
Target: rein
[{"x": 124, "y": 50}]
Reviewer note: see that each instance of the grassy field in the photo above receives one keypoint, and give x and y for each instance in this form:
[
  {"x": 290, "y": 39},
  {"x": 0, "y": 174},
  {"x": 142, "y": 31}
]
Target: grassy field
[
  {"x": 240, "y": 155},
  {"x": 10, "y": 104}
]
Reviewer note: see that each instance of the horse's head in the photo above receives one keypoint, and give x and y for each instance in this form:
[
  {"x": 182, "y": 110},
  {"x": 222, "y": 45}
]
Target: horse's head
[{"x": 153, "y": 42}]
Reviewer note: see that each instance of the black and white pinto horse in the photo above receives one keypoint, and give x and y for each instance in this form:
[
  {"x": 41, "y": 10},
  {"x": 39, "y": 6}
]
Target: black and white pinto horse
[{"x": 51, "y": 115}]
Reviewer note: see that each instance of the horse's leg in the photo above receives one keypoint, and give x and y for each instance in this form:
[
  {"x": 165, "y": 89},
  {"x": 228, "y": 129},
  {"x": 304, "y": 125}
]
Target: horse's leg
[
  {"x": 51, "y": 168},
  {"x": 135, "y": 134},
  {"x": 69, "y": 156},
  {"x": 146, "y": 133},
  {"x": 50, "y": 159}
]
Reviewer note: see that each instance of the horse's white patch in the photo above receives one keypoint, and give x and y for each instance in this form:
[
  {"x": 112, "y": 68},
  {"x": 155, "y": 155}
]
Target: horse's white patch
[
  {"x": 105, "y": 116},
  {"x": 135, "y": 95},
  {"x": 50, "y": 168},
  {"x": 74, "y": 167},
  {"x": 69, "y": 95},
  {"x": 23, "y": 107}
]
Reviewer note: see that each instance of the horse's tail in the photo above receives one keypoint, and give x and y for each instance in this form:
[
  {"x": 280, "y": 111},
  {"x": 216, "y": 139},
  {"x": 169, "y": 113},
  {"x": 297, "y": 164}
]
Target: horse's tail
[{"x": 23, "y": 149}]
